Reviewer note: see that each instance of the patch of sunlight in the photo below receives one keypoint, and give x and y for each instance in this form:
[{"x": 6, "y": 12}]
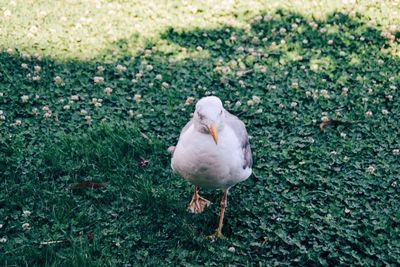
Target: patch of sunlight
[{"x": 85, "y": 30}]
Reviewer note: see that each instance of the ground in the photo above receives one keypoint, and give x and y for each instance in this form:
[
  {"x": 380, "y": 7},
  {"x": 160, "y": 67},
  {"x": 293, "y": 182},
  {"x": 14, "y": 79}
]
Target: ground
[{"x": 92, "y": 93}]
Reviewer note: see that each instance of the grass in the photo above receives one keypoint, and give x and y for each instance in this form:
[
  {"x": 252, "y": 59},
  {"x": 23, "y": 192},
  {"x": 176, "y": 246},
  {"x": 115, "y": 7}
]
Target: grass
[{"x": 322, "y": 194}]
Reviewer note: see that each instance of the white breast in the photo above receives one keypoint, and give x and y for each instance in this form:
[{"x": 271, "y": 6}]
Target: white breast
[{"x": 206, "y": 164}]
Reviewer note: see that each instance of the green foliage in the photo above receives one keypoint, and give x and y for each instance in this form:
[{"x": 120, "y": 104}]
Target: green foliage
[{"x": 321, "y": 194}]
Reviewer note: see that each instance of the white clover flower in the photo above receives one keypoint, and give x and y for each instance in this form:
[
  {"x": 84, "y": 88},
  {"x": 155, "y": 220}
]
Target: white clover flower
[
  {"x": 83, "y": 112},
  {"x": 282, "y": 106},
  {"x": 294, "y": 26},
  {"x": 36, "y": 78},
  {"x": 199, "y": 48},
  {"x": 330, "y": 42},
  {"x": 24, "y": 65},
  {"x": 67, "y": 107},
  {"x": 88, "y": 119},
  {"x": 293, "y": 104},
  {"x": 343, "y": 135},
  {"x": 324, "y": 93},
  {"x": 385, "y": 111},
  {"x": 47, "y": 115},
  {"x": 35, "y": 111},
  {"x": 74, "y": 97},
  {"x": 250, "y": 102},
  {"x": 97, "y": 104},
  {"x": 345, "y": 91},
  {"x": 381, "y": 62},
  {"x": 17, "y": 123},
  {"x": 238, "y": 104},
  {"x": 294, "y": 85},
  {"x": 231, "y": 249},
  {"x": 394, "y": 184},
  {"x": 1, "y": 94},
  {"x": 98, "y": 80},
  {"x": 371, "y": 169},
  {"x": 45, "y": 108},
  {"x": 189, "y": 100},
  {"x": 37, "y": 69},
  {"x": 159, "y": 77},
  {"x": 3, "y": 240},
  {"x": 26, "y": 213},
  {"x": 10, "y": 51},
  {"x": 7, "y": 13},
  {"x": 139, "y": 75},
  {"x": 137, "y": 98},
  {"x": 305, "y": 41},
  {"x": 368, "y": 113},
  {"x": 256, "y": 99},
  {"x": 100, "y": 69},
  {"x": 120, "y": 68},
  {"x": 324, "y": 118},
  {"x": 258, "y": 111},
  {"x": 133, "y": 81},
  {"x": 26, "y": 226},
  {"x": 58, "y": 80},
  {"x": 25, "y": 98},
  {"x": 165, "y": 85},
  {"x": 347, "y": 211},
  {"x": 308, "y": 93},
  {"x": 396, "y": 152},
  {"x": 107, "y": 91},
  {"x": 131, "y": 113},
  {"x": 149, "y": 67},
  {"x": 282, "y": 30}
]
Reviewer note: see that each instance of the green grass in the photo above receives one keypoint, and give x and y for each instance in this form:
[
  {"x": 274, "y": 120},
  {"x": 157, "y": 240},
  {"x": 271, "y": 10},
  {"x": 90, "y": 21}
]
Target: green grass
[{"x": 318, "y": 197}]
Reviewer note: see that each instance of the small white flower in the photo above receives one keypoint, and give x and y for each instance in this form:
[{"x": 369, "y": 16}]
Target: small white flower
[
  {"x": 199, "y": 48},
  {"x": 308, "y": 93},
  {"x": 67, "y": 107},
  {"x": 238, "y": 104},
  {"x": 37, "y": 69},
  {"x": 294, "y": 85},
  {"x": 325, "y": 118},
  {"x": 343, "y": 135},
  {"x": 83, "y": 112},
  {"x": 45, "y": 108},
  {"x": 345, "y": 91},
  {"x": 1, "y": 94},
  {"x": 305, "y": 41},
  {"x": 256, "y": 99},
  {"x": 137, "y": 98},
  {"x": 258, "y": 111},
  {"x": 47, "y": 115},
  {"x": 35, "y": 111},
  {"x": 120, "y": 68},
  {"x": 231, "y": 249},
  {"x": 385, "y": 111},
  {"x": 25, "y": 98},
  {"x": 26, "y": 213},
  {"x": 149, "y": 67},
  {"x": 329, "y": 217},
  {"x": 10, "y": 51},
  {"x": 347, "y": 211},
  {"x": 74, "y": 97},
  {"x": 58, "y": 80},
  {"x": 396, "y": 152},
  {"x": 131, "y": 113},
  {"x": 368, "y": 113},
  {"x": 7, "y": 13},
  {"x": 117, "y": 244},
  {"x": 250, "y": 102},
  {"x": 394, "y": 184},
  {"x": 24, "y": 65},
  {"x": 282, "y": 31},
  {"x": 371, "y": 169},
  {"x": 159, "y": 77},
  {"x": 3, "y": 240},
  {"x": 165, "y": 85},
  {"x": 330, "y": 42},
  {"x": 88, "y": 119},
  {"x": 281, "y": 105},
  {"x": 138, "y": 75},
  {"x": 18, "y": 122},
  {"x": 293, "y": 104},
  {"x": 26, "y": 226},
  {"x": 107, "y": 91},
  {"x": 389, "y": 97},
  {"x": 324, "y": 93},
  {"x": 139, "y": 116},
  {"x": 98, "y": 80},
  {"x": 189, "y": 100},
  {"x": 100, "y": 69},
  {"x": 36, "y": 78},
  {"x": 381, "y": 62}
]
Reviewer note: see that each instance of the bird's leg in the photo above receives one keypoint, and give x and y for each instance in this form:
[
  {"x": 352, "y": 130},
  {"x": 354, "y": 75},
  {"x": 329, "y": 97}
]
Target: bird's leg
[
  {"x": 224, "y": 203},
  {"x": 198, "y": 203}
]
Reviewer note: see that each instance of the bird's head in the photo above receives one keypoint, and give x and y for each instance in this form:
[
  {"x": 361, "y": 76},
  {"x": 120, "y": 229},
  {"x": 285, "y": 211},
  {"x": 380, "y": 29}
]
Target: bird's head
[{"x": 209, "y": 116}]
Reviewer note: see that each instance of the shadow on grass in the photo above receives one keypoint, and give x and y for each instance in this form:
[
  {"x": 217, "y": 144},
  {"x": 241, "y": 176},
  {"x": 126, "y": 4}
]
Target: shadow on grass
[{"x": 306, "y": 205}]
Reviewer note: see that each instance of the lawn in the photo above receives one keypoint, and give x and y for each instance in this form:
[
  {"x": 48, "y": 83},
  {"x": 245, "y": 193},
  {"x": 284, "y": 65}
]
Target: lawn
[{"x": 92, "y": 93}]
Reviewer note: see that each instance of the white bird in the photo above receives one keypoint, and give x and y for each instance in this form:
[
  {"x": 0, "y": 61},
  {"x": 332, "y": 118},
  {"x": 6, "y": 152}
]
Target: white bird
[{"x": 213, "y": 151}]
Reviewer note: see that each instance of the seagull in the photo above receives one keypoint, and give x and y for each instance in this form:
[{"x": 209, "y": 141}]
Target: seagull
[{"x": 213, "y": 151}]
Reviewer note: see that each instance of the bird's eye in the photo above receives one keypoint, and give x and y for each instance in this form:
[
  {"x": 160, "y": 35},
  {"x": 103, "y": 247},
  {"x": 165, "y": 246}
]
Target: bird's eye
[{"x": 200, "y": 115}]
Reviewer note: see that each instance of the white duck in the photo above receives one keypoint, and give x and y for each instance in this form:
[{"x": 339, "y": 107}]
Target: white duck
[{"x": 214, "y": 152}]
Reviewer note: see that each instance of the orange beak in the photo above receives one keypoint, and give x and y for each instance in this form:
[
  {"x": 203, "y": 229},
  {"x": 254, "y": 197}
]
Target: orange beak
[{"x": 213, "y": 132}]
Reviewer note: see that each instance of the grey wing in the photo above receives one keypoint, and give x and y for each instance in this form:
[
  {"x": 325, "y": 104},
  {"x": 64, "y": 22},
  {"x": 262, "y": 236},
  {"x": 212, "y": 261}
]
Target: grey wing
[{"x": 241, "y": 133}]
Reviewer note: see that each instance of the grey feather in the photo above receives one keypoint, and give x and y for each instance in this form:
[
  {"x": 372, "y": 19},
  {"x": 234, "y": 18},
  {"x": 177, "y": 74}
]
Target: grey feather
[{"x": 240, "y": 130}]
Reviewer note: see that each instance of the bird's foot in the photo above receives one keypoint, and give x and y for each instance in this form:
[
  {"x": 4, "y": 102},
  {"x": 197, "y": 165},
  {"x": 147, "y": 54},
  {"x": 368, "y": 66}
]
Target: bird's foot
[{"x": 198, "y": 204}]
